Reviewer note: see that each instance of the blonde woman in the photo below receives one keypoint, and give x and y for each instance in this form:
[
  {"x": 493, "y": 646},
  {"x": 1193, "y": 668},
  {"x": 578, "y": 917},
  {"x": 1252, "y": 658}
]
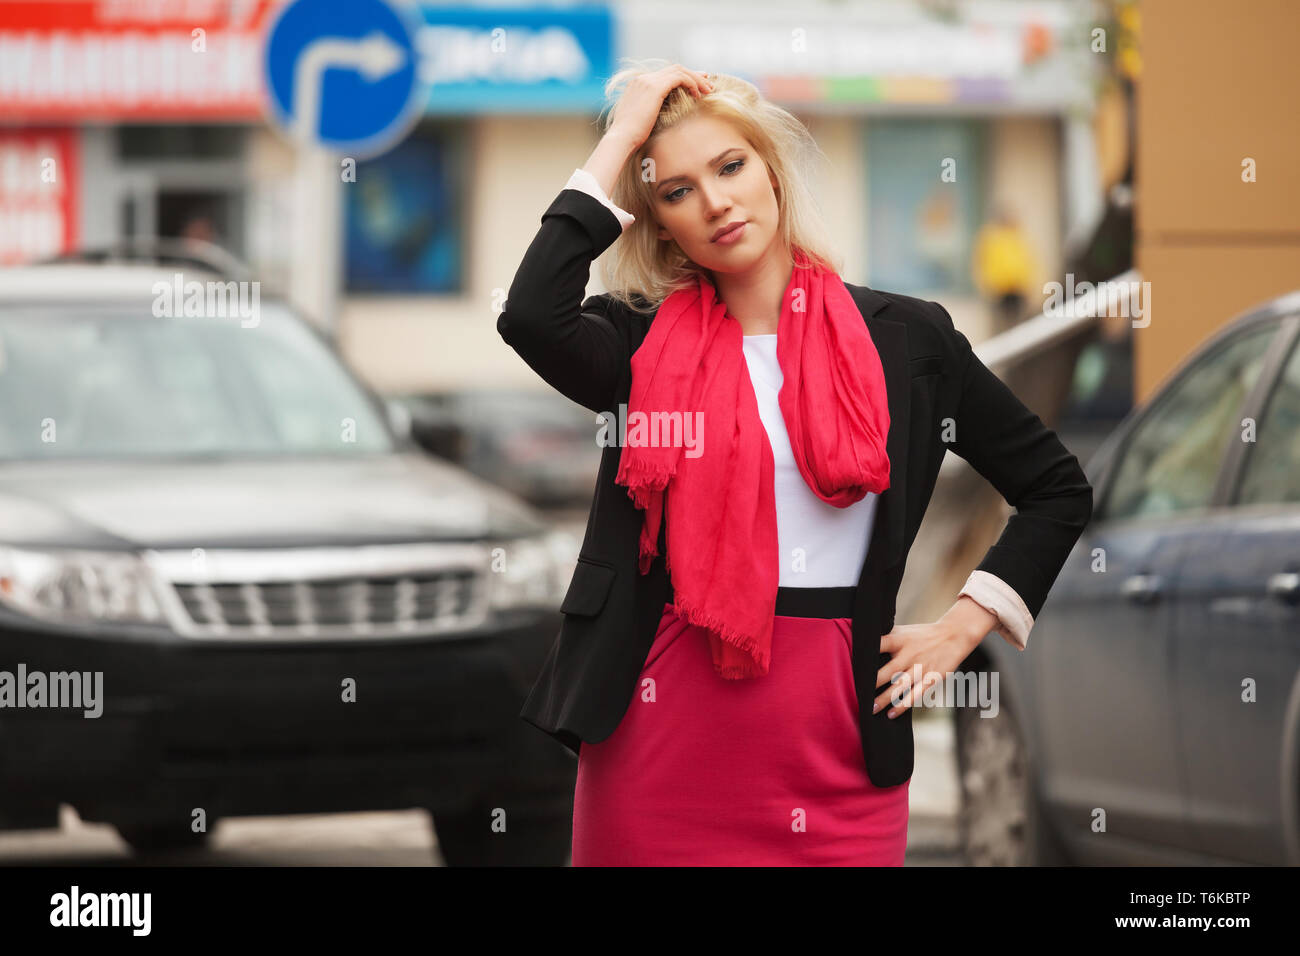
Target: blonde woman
[{"x": 728, "y": 670}]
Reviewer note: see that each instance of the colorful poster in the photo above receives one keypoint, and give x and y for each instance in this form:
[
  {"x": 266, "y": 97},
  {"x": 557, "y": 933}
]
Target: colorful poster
[
  {"x": 39, "y": 207},
  {"x": 403, "y": 229}
]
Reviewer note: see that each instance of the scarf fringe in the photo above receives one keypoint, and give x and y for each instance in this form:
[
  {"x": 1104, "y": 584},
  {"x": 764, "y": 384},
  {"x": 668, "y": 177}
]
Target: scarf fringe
[
  {"x": 641, "y": 496},
  {"x": 646, "y": 558},
  {"x": 642, "y": 480},
  {"x": 736, "y": 672},
  {"x": 725, "y": 632}
]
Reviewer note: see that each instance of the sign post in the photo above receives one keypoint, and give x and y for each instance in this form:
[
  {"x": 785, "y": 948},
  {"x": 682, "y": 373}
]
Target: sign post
[{"x": 342, "y": 83}]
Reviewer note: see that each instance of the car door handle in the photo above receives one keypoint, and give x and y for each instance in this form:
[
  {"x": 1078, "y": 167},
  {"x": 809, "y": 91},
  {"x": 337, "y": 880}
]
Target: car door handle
[
  {"x": 1285, "y": 585},
  {"x": 1141, "y": 588}
]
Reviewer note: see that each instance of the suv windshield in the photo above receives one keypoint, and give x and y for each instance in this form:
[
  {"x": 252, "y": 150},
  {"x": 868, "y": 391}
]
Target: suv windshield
[{"x": 106, "y": 383}]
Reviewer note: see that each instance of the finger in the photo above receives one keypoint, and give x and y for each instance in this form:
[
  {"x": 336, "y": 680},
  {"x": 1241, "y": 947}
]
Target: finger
[
  {"x": 901, "y": 706},
  {"x": 692, "y": 81},
  {"x": 897, "y": 685},
  {"x": 902, "y": 698},
  {"x": 913, "y": 694},
  {"x": 887, "y": 670}
]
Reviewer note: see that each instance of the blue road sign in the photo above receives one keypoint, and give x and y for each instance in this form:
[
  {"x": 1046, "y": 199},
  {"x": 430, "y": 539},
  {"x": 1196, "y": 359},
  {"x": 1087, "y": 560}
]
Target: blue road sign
[{"x": 343, "y": 74}]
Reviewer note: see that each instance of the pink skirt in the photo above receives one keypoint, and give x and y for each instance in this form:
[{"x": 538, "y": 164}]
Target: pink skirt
[{"x": 764, "y": 772}]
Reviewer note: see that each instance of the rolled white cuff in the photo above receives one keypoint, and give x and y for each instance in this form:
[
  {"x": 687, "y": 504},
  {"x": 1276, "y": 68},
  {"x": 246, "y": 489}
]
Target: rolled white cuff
[
  {"x": 1000, "y": 599},
  {"x": 583, "y": 181}
]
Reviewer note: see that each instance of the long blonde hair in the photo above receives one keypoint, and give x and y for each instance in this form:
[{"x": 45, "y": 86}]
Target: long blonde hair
[{"x": 641, "y": 269}]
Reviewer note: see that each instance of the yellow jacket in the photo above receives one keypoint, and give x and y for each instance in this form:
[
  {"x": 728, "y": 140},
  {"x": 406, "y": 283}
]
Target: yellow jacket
[{"x": 1003, "y": 261}]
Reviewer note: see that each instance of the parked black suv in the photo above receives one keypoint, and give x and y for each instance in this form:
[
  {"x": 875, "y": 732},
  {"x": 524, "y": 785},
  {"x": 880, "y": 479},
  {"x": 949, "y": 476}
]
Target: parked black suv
[{"x": 291, "y": 607}]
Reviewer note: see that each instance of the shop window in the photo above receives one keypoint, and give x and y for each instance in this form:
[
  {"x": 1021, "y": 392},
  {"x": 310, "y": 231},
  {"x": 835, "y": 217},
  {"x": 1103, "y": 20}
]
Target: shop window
[
  {"x": 200, "y": 214},
  {"x": 182, "y": 181},
  {"x": 921, "y": 229}
]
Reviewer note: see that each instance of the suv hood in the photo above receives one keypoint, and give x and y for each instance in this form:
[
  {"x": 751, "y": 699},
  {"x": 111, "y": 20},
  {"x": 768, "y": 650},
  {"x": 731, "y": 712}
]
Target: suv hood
[{"x": 290, "y": 502}]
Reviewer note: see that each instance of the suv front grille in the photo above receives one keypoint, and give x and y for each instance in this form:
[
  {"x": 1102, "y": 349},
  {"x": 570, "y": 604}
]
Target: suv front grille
[{"x": 391, "y": 589}]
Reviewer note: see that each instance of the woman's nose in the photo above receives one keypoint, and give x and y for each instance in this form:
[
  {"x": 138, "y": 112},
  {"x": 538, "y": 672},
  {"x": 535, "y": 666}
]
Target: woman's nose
[{"x": 715, "y": 203}]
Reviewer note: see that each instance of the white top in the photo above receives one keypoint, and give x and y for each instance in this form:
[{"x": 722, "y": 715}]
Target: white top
[{"x": 821, "y": 545}]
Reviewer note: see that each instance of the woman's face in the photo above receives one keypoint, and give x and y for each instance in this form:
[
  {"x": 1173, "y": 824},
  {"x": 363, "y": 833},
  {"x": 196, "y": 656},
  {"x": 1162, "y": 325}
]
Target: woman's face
[{"x": 707, "y": 178}]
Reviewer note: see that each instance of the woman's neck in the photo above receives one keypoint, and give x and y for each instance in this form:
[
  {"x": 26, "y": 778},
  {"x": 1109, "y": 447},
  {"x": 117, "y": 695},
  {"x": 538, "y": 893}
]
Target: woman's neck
[{"x": 754, "y": 297}]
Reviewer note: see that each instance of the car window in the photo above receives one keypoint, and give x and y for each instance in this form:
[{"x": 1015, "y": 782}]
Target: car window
[
  {"x": 96, "y": 383},
  {"x": 1272, "y": 474},
  {"x": 1170, "y": 462}
]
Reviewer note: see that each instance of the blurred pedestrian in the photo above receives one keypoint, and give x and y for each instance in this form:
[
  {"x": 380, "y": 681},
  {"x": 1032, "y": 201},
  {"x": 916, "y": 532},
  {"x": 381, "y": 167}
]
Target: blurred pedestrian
[
  {"x": 1004, "y": 268},
  {"x": 199, "y": 226}
]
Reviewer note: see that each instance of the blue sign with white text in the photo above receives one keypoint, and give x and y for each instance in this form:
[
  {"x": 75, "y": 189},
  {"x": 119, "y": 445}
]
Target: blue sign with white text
[
  {"x": 515, "y": 59},
  {"x": 344, "y": 75}
]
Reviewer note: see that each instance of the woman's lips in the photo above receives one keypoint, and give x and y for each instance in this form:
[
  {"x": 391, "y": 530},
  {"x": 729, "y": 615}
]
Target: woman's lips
[{"x": 727, "y": 238}]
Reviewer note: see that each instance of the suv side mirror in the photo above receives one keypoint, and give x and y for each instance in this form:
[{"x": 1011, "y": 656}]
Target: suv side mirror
[
  {"x": 444, "y": 439},
  {"x": 399, "y": 417},
  {"x": 431, "y": 429}
]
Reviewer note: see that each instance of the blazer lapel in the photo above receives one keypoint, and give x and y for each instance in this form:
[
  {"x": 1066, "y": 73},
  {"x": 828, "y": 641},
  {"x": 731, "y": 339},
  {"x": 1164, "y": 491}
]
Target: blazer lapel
[{"x": 890, "y": 339}]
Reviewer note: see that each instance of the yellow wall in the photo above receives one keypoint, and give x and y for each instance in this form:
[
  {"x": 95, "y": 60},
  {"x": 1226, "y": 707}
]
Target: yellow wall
[{"x": 1219, "y": 83}]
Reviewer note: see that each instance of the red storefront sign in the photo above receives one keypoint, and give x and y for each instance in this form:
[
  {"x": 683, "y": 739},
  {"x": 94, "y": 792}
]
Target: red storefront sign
[
  {"x": 39, "y": 174},
  {"x": 131, "y": 59}
]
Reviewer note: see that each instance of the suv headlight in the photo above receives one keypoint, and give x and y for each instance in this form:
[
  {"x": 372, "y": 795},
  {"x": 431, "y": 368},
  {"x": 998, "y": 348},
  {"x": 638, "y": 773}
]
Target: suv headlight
[
  {"x": 532, "y": 572},
  {"x": 78, "y": 587}
]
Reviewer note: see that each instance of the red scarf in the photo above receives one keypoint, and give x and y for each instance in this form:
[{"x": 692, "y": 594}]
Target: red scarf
[{"x": 722, "y": 535}]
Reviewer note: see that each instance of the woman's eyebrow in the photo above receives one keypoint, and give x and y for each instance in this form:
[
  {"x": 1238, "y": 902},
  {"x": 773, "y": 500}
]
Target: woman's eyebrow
[{"x": 714, "y": 161}]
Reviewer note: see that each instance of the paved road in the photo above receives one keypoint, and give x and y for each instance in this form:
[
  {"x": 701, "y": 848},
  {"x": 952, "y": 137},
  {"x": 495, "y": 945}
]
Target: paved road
[
  {"x": 406, "y": 838},
  {"x": 933, "y": 796}
]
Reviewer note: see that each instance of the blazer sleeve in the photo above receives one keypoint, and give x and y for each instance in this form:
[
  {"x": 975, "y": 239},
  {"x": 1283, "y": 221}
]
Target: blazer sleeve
[
  {"x": 1001, "y": 600},
  {"x": 573, "y": 345},
  {"x": 1025, "y": 461},
  {"x": 583, "y": 180}
]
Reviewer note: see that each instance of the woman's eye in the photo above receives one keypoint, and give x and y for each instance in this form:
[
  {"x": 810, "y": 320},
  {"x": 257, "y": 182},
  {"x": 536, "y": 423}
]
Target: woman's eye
[{"x": 737, "y": 163}]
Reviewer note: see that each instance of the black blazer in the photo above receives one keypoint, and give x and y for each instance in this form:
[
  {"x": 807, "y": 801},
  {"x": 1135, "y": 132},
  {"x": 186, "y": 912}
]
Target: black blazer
[{"x": 611, "y": 612}]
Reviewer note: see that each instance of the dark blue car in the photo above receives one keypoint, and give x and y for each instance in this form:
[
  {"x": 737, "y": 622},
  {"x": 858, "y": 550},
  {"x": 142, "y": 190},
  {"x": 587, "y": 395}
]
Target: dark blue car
[{"x": 1156, "y": 717}]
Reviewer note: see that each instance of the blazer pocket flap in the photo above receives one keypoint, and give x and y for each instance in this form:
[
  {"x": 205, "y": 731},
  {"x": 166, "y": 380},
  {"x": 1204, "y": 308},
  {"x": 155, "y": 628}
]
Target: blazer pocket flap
[
  {"x": 925, "y": 365},
  {"x": 589, "y": 588}
]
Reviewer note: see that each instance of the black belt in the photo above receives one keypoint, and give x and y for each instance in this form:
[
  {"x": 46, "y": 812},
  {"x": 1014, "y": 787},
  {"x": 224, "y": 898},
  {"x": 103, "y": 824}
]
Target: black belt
[{"x": 815, "y": 602}]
